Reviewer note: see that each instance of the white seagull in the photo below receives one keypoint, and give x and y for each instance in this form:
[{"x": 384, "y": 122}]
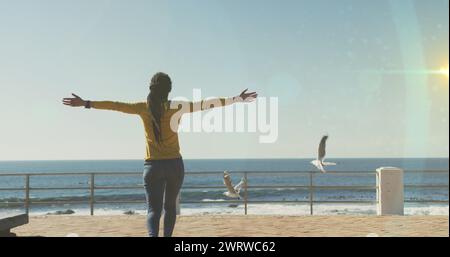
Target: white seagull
[
  {"x": 233, "y": 192},
  {"x": 319, "y": 163}
]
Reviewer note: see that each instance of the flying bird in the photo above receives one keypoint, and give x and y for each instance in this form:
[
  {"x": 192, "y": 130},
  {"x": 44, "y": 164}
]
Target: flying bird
[
  {"x": 319, "y": 163},
  {"x": 233, "y": 192}
]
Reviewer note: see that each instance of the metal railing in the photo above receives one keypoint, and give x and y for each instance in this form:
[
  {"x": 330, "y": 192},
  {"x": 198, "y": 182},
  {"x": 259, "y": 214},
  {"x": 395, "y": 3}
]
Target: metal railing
[{"x": 311, "y": 187}]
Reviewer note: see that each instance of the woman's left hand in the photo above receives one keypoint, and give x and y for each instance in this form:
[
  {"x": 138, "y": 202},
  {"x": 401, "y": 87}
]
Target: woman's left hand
[{"x": 75, "y": 101}]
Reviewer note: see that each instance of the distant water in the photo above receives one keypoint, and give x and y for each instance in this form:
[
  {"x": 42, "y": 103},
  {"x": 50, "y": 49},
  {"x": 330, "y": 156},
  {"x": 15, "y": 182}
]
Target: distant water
[{"x": 416, "y": 173}]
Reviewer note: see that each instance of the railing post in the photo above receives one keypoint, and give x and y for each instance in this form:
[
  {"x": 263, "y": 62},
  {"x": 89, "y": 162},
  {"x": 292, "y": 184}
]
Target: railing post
[
  {"x": 245, "y": 194},
  {"x": 27, "y": 193},
  {"x": 92, "y": 188},
  {"x": 311, "y": 193},
  {"x": 377, "y": 183}
]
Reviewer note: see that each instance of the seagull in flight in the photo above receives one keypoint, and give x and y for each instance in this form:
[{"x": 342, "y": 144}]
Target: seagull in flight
[
  {"x": 233, "y": 192},
  {"x": 319, "y": 163}
]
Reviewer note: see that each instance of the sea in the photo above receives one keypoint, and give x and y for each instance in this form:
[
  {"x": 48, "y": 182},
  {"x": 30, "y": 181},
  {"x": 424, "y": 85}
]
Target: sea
[{"x": 272, "y": 198}]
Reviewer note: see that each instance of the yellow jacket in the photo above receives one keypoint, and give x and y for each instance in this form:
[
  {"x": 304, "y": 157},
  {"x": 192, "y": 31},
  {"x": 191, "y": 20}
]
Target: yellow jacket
[{"x": 169, "y": 147}]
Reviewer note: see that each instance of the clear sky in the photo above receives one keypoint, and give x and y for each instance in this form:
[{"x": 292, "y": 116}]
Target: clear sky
[{"x": 350, "y": 68}]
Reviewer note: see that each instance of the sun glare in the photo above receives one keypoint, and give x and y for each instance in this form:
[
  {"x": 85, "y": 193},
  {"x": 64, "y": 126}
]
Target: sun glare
[{"x": 444, "y": 71}]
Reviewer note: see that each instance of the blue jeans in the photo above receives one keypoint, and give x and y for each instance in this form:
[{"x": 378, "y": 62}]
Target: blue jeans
[{"x": 162, "y": 182}]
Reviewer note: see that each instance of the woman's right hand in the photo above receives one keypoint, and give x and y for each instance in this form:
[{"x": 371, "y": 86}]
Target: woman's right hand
[
  {"x": 74, "y": 101},
  {"x": 247, "y": 97}
]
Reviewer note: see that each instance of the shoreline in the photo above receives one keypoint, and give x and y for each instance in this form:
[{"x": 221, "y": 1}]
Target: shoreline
[
  {"x": 329, "y": 209},
  {"x": 253, "y": 209}
]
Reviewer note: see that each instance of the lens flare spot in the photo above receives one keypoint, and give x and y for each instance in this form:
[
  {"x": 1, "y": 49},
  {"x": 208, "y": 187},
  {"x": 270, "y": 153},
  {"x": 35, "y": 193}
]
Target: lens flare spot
[{"x": 444, "y": 71}]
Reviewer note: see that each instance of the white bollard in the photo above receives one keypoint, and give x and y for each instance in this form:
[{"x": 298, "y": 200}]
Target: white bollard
[{"x": 390, "y": 196}]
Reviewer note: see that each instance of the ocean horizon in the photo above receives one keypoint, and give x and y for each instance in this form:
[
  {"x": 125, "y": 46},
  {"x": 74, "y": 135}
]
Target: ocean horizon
[{"x": 417, "y": 172}]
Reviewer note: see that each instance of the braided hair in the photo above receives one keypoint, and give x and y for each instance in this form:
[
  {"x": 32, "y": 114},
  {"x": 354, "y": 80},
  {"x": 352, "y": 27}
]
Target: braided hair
[{"x": 160, "y": 87}]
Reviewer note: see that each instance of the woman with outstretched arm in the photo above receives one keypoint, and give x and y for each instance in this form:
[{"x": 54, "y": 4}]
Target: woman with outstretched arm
[{"x": 163, "y": 167}]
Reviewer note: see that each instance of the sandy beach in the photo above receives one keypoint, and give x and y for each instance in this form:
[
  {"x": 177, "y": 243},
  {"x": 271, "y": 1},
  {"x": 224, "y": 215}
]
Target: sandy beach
[{"x": 247, "y": 226}]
